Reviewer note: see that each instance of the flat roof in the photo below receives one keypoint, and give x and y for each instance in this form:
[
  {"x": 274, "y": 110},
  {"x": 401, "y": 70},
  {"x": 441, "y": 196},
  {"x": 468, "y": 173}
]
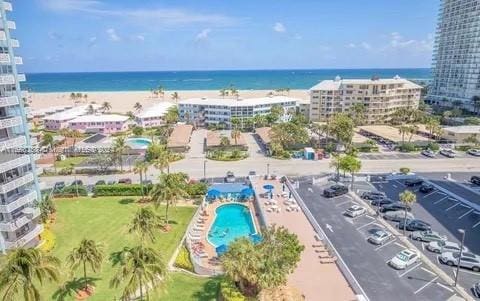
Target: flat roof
[
  {"x": 157, "y": 110},
  {"x": 391, "y": 133},
  {"x": 357, "y": 138},
  {"x": 180, "y": 136},
  {"x": 264, "y": 134},
  {"x": 100, "y": 118},
  {"x": 214, "y": 138},
  {"x": 233, "y": 102},
  {"x": 339, "y": 82},
  {"x": 463, "y": 129},
  {"x": 70, "y": 113}
]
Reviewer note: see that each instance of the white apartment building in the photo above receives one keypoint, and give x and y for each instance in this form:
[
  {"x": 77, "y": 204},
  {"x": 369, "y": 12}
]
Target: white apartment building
[
  {"x": 19, "y": 190},
  {"x": 380, "y": 97},
  {"x": 456, "y": 56},
  {"x": 215, "y": 111},
  {"x": 154, "y": 115}
]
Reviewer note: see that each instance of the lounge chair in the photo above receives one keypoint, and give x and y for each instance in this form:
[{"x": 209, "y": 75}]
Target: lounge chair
[{"x": 329, "y": 260}]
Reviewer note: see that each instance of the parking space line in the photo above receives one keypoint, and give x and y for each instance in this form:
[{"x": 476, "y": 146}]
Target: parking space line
[
  {"x": 453, "y": 206},
  {"x": 400, "y": 183},
  {"x": 428, "y": 271},
  {"x": 368, "y": 216},
  {"x": 468, "y": 272},
  {"x": 384, "y": 245},
  {"x": 467, "y": 213},
  {"x": 441, "y": 200},
  {"x": 426, "y": 284},
  {"x": 343, "y": 203},
  {"x": 445, "y": 287},
  {"x": 400, "y": 245},
  {"x": 476, "y": 225},
  {"x": 409, "y": 270},
  {"x": 429, "y": 194},
  {"x": 365, "y": 225}
]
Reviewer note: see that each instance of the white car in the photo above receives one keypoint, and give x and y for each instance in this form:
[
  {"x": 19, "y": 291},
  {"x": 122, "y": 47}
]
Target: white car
[
  {"x": 404, "y": 259},
  {"x": 474, "y": 152},
  {"x": 355, "y": 211},
  {"x": 469, "y": 260},
  {"x": 379, "y": 237},
  {"x": 448, "y": 153},
  {"x": 444, "y": 246},
  {"x": 428, "y": 153}
]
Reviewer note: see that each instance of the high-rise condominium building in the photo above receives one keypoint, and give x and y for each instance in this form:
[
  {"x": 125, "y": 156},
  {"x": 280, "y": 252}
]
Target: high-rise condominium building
[
  {"x": 456, "y": 58},
  {"x": 19, "y": 190},
  {"x": 379, "y": 97}
]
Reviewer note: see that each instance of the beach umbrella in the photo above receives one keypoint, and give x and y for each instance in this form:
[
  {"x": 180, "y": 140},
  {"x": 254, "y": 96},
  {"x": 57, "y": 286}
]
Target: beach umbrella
[
  {"x": 247, "y": 192},
  {"x": 213, "y": 193},
  {"x": 268, "y": 187},
  {"x": 221, "y": 249}
]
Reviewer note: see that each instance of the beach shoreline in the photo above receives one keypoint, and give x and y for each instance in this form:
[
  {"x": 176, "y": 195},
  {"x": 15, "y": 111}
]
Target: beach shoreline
[{"x": 124, "y": 101}]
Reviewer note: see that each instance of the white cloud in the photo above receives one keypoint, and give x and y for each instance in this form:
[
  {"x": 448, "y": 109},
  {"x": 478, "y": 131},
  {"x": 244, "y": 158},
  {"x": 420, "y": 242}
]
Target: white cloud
[
  {"x": 203, "y": 35},
  {"x": 397, "y": 41},
  {"x": 352, "y": 45},
  {"x": 55, "y": 35},
  {"x": 66, "y": 5},
  {"x": 365, "y": 46},
  {"x": 279, "y": 27},
  {"x": 112, "y": 35},
  {"x": 140, "y": 37},
  {"x": 92, "y": 41}
]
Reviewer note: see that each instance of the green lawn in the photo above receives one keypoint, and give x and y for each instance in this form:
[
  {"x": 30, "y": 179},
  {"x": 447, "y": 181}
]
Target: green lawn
[
  {"x": 70, "y": 160},
  {"x": 105, "y": 220}
]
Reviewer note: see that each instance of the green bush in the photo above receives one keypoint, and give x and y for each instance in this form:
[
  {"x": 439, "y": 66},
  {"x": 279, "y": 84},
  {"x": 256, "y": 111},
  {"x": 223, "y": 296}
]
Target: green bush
[
  {"x": 404, "y": 170},
  {"x": 72, "y": 191},
  {"x": 463, "y": 148},
  {"x": 120, "y": 190},
  {"x": 183, "y": 260},
  {"x": 433, "y": 146},
  {"x": 197, "y": 189},
  {"x": 407, "y": 147},
  {"x": 229, "y": 292},
  {"x": 137, "y": 131}
]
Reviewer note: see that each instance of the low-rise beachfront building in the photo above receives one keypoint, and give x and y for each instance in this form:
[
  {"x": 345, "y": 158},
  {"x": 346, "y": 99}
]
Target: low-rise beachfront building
[
  {"x": 380, "y": 97},
  {"x": 57, "y": 121},
  {"x": 458, "y": 134},
  {"x": 214, "y": 141},
  {"x": 154, "y": 115},
  {"x": 263, "y": 137},
  {"x": 180, "y": 138},
  {"x": 100, "y": 123},
  {"x": 220, "y": 111}
]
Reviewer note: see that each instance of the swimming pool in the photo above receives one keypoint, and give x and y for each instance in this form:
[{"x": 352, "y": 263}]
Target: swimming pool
[
  {"x": 138, "y": 143},
  {"x": 231, "y": 222}
]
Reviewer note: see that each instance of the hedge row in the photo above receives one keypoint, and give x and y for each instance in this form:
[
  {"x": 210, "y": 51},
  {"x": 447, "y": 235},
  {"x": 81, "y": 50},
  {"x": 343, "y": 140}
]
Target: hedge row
[
  {"x": 121, "y": 190},
  {"x": 183, "y": 260},
  {"x": 72, "y": 191}
]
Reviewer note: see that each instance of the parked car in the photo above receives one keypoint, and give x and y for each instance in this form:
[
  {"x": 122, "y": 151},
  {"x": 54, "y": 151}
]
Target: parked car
[
  {"x": 394, "y": 207},
  {"x": 428, "y": 153},
  {"x": 448, "y": 153},
  {"x": 475, "y": 180},
  {"x": 379, "y": 237},
  {"x": 413, "y": 182},
  {"x": 100, "y": 182},
  {"x": 476, "y": 289},
  {"x": 355, "y": 211},
  {"x": 444, "y": 246},
  {"x": 414, "y": 225},
  {"x": 230, "y": 178},
  {"x": 381, "y": 202},
  {"x": 335, "y": 190},
  {"x": 373, "y": 195},
  {"x": 396, "y": 216},
  {"x": 77, "y": 182},
  {"x": 468, "y": 260},
  {"x": 426, "y": 188},
  {"x": 252, "y": 173},
  {"x": 59, "y": 185},
  {"x": 125, "y": 181},
  {"x": 474, "y": 152},
  {"x": 404, "y": 259},
  {"x": 427, "y": 236}
]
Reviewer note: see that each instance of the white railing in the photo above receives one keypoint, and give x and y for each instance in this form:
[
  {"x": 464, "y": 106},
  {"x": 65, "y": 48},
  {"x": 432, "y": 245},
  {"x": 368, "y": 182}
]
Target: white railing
[
  {"x": 15, "y": 43},
  {"x": 4, "y": 58},
  {"x": 8, "y": 101},
  {"x": 3, "y": 36},
  {"x": 7, "y": 6},
  {"x": 19, "y": 222},
  {"x": 7, "y": 79},
  {"x": 21, "y": 77},
  {"x": 18, "y": 60},
  {"x": 10, "y": 122},
  {"x": 27, "y": 178},
  {"x": 26, "y": 238},
  {"x": 27, "y": 198},
  {"x": 13, "y": 143},
  {"x": 11, "y": 25},
  {"x": 17, "y": 162}
]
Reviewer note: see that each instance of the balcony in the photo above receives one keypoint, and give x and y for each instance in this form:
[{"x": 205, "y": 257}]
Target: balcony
[
  {"x": 14, "y": 43},
  {"x": 4, "y": 58},
  {"x": 9, "y": 122},
  {"x": 21, "y": 77},
  {"x": 27, "y": 216},
  {"x": 18, "y": 60},
  {"x": 21, "y": 241},
  {"x": 12, "y": 142},
  {"x": 7, "y": 79},
  {"x": 3, "y": 36},
  {"x": 7, "y": 6},
  {"x": 9, "y": 162},
  {"x": 22, "y": 199},
  {"x": 11, "y": 25},
  {"x": 18, "y": 182},
  {"x": 8, "y": 101}
]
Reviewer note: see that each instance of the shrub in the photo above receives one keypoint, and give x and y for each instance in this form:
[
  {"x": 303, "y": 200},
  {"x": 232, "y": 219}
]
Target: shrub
[
  {"x": 472, "y": 121},
  {"x": 120, "y": 190},
  {"x": 407, "y": 147},
  {"x": 137, "y": 131},
  {"x": 183, "y": 260},
  {"x": 229, "y": 292},
  {"x": 433, "y": 146},
  {"x": 48, "y": 239},
  {"x": 463, "y": 148},
  {"x": 196, "y": 189},
  {"x": 72, "y": 191},
  {"x": 404, "y": 170}
]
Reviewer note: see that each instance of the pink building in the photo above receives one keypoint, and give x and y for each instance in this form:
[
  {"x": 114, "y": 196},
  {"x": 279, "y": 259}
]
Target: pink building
[
  {"x": 57, "y": 121},
  {"x": 100, "y": 123}
]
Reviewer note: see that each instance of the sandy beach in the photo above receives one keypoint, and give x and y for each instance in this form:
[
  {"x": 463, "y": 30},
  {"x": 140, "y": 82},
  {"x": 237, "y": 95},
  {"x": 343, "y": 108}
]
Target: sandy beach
[{"x": 123, "y": 102}]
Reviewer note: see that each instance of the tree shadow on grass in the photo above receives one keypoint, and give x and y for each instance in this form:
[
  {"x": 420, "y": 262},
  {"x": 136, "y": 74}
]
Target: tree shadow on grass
[
  {"x": 126, "y": 201},
  {"x": 209, "y": 291},
  {"x": 68, "y": 290}
]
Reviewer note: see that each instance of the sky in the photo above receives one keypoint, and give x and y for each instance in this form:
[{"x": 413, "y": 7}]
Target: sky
[{"x": 156, "y": 35}]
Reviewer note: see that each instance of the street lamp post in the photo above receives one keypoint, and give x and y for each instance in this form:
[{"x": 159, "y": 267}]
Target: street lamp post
[
  {"x": 462, "y": 231},
  {"x": 268, "y": 169},
  {"x": 205, "y": 170}
]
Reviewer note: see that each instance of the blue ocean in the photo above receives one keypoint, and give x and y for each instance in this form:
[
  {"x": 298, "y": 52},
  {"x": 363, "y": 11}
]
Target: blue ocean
[{"x": 204, "y": 80}]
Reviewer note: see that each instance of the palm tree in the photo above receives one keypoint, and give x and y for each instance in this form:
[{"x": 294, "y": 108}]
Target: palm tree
[
  {"x": 106, "y": 106},
  {"x": 85, "y": 98},
  {"x": 90, "y": 109},
  {"x": 47, "y": 140},
  {"x": 235, "y": 135},
  {"x": 130, "y": 115},
  {"x": 336, "y": 163},
  {"x": 223, "y": 92},
  {"x": 65, "y": 132},
  {"x": 141, "y": 167},
  {"x": 87, "y": 253},
  {"x": 175, "y": 96},
  {"x": 403, "y": 130},
  {"x": 139, "y": 267},
  {"x": 144, "y": 223},
  {"x": 162, "y": 161},
  {"x": 408, "y": 198},
  {"x": 170, "y": 189},
  {"x": 23, "y": 269},
  {"x": 75, "y": 134},
  {"x": 161, "y": 91},
  {"x": 137, "y": 107},
  {"x": 73, "y": 97},
  {"x": 119, "y": 147}
]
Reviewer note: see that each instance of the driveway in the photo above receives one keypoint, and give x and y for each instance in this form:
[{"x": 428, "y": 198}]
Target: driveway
[{"x": 196, "y": 144}]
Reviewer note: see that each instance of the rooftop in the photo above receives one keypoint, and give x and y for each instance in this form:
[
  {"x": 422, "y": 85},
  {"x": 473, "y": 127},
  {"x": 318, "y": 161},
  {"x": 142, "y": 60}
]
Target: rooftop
[
  {"x": 233, "y": 102},
  {"x": 464, "y": 129},
  {"x": 337, "y": 83},
  {"x": 214, "y": 138},
  {"x": 391, "y": 133},
  {"x": 70, "y": 113},
  {"x": 156, "y": 110},
  {"x": 264, "y": 134},
  {"x": 180, "y": 136},
  {"x": 100, "y": 118}
]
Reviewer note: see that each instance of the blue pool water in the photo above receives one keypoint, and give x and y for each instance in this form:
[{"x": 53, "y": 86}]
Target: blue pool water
[
  {"x": 138, "y": 143},
  {"x": 231, "y": 222}
]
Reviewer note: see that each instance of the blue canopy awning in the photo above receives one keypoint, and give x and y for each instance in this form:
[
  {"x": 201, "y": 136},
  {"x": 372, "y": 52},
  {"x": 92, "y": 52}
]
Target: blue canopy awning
[
  {"x": 268, "y": 187},
  {"x": 213, "y": 193},
  {"x": 221, "y": 249},
  {"x": 247, "y": 192}
]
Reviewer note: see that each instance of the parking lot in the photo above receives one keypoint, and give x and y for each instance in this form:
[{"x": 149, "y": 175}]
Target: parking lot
[
  {"x": 446, "y": 214},
  {"x": 367, "y": 262}
]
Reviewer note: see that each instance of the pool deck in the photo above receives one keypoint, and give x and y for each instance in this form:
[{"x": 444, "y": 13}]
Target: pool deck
[{"x": 316, "y": 280}]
